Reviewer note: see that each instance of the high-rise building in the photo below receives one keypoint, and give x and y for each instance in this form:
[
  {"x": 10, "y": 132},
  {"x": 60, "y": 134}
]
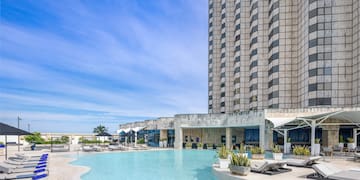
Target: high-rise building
[{"x": 266, "y": 54}]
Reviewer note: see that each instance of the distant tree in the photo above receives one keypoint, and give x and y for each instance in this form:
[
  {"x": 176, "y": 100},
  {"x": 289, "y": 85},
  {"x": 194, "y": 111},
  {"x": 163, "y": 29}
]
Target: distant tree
[
  {"x": 34, "y": 138},
  {"x": 100, "y": 129},
  {"x": 64, "y": 139}
]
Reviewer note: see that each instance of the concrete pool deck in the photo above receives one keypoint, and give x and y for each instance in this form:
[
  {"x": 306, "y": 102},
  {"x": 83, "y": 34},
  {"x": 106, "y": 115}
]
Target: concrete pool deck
[{"x": 61, "y": 169}]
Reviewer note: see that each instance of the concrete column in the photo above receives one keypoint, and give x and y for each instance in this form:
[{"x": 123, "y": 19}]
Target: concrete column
[
  {"x": 135, "y": 138},
  {"x": 262, "y": 136},
  {"x": 268, "y": 138},
  {"x": 313, "y": 126},
  {"x": 163, "y": 135},
  {"x": 285, "y": 141},
  {"x": 228, "y": 138},
  {"x": 355, "y": 136},
  {"x": 330, "y": 135},
  {"x": 178, "y": 138}
]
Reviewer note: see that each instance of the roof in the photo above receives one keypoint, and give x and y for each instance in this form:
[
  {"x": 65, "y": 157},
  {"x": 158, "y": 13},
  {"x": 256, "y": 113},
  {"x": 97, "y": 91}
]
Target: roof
[
  {"x": 10, "y": 130},
  {"x": 104, "y": 134},
  {"x": 342, "y": 116}
]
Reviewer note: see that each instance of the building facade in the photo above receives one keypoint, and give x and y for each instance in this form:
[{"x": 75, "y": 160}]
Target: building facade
[{"x": 279, "y": 54}]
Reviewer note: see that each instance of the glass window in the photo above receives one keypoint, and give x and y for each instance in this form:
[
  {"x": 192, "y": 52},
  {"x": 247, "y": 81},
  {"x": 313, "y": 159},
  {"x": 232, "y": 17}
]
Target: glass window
[
  {"x": 222, "y": 55},
  {"x": 222, "y": 65},
  {"x": 237, "y": 80},
  {"x": 274, "y": 44},
  {"x": 237, "y": 27},
  {"x": 237, "y": 5},
  {"x": 254, "y": 29},
  {"x": 273, "y": 57},
  {"x": 274, "y": 19},
  {"x": 253, "y": 53},
  {"x": 253, "y": 64},
  {"x": 222, "y": 75},
  {"x": 223, "y": 35},
  {"x": 223, "y": 6},
  {"x": 237, "y": 48},
  {"x": 223, "y": 16},
  {"x": 253, "y": 18},
  {"x": 253, "y": 41},
  {"x": 222, "y": 85},
  {"x": 222, "y": 94},
  {"x": 313, "y": 28},
  {"x": 237, "y": 59},
  {"x": 273, "y": 32},
  {"x": 237, "y": 16},
  {"x": 273, "y": 7},
  {"x": 313, "y": 57},
  {"x": 253, "y": 87},
  {"x": 223, "y": 45},
  {"x": 222, "y": 104},
  {"x": 327, "y": 71},
  {"x": 312, "y": 43},
  {"x": 237, "y": 69},
  {"x": 312, "y": 72},
  {"x": 237, "y": 37},
  {"x": 210, "y": 97},
  {"x": 312, "y": 13},
  {"x": 223, "y": 25},
  {"x": 312, "y": 87},
  {"x": 273, "y": 69},
  {"x": 254, "y": 6},
  {"x": 253, "y": 75}
]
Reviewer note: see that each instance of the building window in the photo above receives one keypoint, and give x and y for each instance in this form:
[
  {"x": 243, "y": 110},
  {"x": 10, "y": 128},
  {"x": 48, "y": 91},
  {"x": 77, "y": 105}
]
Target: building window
[
  {"x": 223, "y": 16},
  {"x": 222, "y": 85},
  {"x": 222, "y": 65},
  {"x": 253, "y": 7},
  {"x": 237, "y": 16},
  {"x": 210, "y": 33},
  {"x": 274, "y": 94},
  {"x": 210, "y": 51},
  {"x": 319, "y": 101},
  {"x": 210, "y": 97},
  {"x": 253, "y": 53},
  {"x": 273, "y": 70},
  {"x": 237, "y": 37},
  {"x": 320, "y": 87},
  {"x": 273, "y": 82},
  {"x": 253, "y": 87},
  {"x": 237, "y": 59},
  {"x": 274, "y": 106},
  {"x": 273, "y": 44},
  {"x": 237, "y": 6},
  {"x": 222, "y": 94},
  {"x": 254, "y": 29},
  {"x": 253, "y": 18},
  {"x": 223, "y": 6},
  {"x": 210, "y": 70},
  {"x": 320, "y": 71},
  {"x": 222, "y": 75},
  {"x": 237, "y": 27},
  {"x": 237, "y": 70},
  {"x": 236, "y": 101},
  {"x": 253, "y": 41},
  {"x": 320, "y": 56},
  {"x": 237, "y": 80},
  {"x": 223, "y": 35},
  {"x": 273, "y": 7},
  {"x": 253, "y": 99},
  {"x": 273, "y": 57},
  {"x": 210, "y": 106},
  {"x": 210, "y": 79},
  {"x": 273, "y": 32},
  {"x": 223, "y": 25},
  {"x": 210, "y": 15},
  {"x": 210, "y": 61},
  {"x": 253, "y": 75},
  {"x": 253, "y": 64},
  {"x": 274, "y": 19},
  {"x": 222, "y": 55},
  {"x": 237, "y": 48},
  {"x": 223, "y": 45},
  {"x": 222, "y": 104}
]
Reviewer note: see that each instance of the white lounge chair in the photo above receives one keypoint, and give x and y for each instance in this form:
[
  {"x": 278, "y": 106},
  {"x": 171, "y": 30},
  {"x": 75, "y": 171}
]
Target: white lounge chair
[
  {"x": 23, "y": 163},
  {"x": 356, "y": 156},
  {"x": 7, "y": 168},
  {"x": 270, "y": 167},
  {"x": 23, "y": 176},
  {"x": 114, "y": 147},
  {"x": 88, "y": 148},
  {"x": 326, "y": 170},
  {"x": 303, "y": 162}
]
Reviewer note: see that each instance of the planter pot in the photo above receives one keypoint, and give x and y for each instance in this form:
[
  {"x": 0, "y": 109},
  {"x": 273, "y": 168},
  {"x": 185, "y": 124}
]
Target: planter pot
[
  {"x": 243, "y": 154},
  {"x": 240, "y": 170},
  {"x": 224, "y": 163},
  {"x": 257, "y": 156},
  {"x": 317, "y": 149},
  {"x": 277, "y": 156},
  {"x": 164, "y": 144},
  {"x": 160, "y": 144},
  {"x": 288, "y": 148},
  {"x": 341, "y": 145},
  {"x": 351, "y": 145}
]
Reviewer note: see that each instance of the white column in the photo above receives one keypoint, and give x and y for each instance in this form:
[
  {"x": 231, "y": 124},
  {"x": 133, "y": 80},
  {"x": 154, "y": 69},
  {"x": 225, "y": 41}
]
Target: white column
[
  {"x": 313, "y": 125},
  {"x": 285, "y": 141},
  {"x": 228, "y": 138},
  {"x": 178, "y": 138},
  {"x": 135, "y": 138},
  {"x": 355, "y": 136},
  {"x": 262, "y": 136}
]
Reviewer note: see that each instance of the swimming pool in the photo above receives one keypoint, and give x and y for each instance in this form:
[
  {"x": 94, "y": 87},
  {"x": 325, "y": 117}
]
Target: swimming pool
[{"x": 167, "y": 164}]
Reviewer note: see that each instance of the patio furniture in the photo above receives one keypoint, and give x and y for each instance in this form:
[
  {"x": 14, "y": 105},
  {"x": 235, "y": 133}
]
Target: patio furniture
[
  {"x": 356, "y": 156},
  {"x": 23, "y": 176},
  {"x": 269, "y": 167},
  {"x": 88, "y": 149},
  {"x": 328, "y": 171},
  {"x": 328, "y": 151},
  {"x": 308, "y": 162},
  {"x": 7, "y": 168}
]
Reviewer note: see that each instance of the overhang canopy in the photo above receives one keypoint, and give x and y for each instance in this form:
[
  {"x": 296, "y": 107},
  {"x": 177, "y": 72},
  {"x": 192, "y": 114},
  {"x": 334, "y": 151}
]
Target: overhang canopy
[
  {"x": 337, "y": 117},
  {"x": 135, "y": 129}
]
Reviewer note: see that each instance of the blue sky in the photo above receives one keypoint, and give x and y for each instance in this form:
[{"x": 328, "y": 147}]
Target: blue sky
[{"x": 67, "y": 66}]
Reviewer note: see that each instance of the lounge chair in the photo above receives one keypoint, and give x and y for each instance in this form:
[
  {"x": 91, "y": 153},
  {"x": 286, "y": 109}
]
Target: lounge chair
[
  {"x": 7, "y": 168},
  {"x": 327, "y": 171},
  {"x": 23, "y": 176},
  {"x": 24, "y": 162},
  {"x": 88, "y": 148},
  {"x": 269, "y": 167},
  {"x": 97, "y": 148},
  {"x": 303, "y": 162},
  {"x": 356, "y": 156}
]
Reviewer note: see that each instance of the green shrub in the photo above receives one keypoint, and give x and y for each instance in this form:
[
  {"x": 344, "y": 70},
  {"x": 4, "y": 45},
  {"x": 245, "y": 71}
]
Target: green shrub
[
  {"x": 35, "y": 138},
  {"x": 2, "y": 143},
  {"x": 341, "y": 139},
  {"x": 317, "y": 140},
  {"x": 242, "y": 148},
  {"x": 200, "y": 145},
  {"x": 350, "y": 140},
  {"x": 188, "y": 145},
  {"x": 276, "y": 149},
  {"x": 223, "y": 153},
  {"x": 301, "y": 151},
  {"x": 141, "y": 141},
  {"x": 257, "y": 150},
  {"x": 239, "y": 160}
]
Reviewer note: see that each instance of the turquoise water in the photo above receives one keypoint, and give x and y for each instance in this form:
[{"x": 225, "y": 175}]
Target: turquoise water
[{"x": 149, "y": 165}]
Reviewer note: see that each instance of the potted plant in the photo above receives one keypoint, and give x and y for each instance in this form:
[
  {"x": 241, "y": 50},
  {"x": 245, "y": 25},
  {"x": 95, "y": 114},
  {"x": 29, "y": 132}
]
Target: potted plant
[
  {"x": 341, "y": 141},
  {"x": 351, "y": 143},
  {"x": 2, "y": 144},
  {"x": 163, "y": 142},
  {"x": 239, "y": 165},
  {"x": 188, "y": 145},
  {"x": 301, "y": 152},
  {"x": 223, "y": 155},
  {"x": 277, "y": 154},
  {"x": 257, "y": 153},
  {"x": 242, "y": 150},
  {"x": 288, "y": 145},
  {"x": 317, "y": 146},
  {"x": 200, "y": 146}
]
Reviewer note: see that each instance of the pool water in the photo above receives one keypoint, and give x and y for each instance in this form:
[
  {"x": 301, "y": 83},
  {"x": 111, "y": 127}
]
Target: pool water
[{"x": 168, "y": 164}]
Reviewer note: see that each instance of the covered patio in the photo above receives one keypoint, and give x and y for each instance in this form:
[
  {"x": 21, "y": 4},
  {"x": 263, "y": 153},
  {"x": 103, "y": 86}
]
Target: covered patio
[{"x": 329, "y": 122}]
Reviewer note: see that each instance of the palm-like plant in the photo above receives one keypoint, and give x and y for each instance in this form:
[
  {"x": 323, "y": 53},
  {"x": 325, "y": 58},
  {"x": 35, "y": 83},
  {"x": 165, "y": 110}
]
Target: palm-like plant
[{"x": 100, "y": 129}]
